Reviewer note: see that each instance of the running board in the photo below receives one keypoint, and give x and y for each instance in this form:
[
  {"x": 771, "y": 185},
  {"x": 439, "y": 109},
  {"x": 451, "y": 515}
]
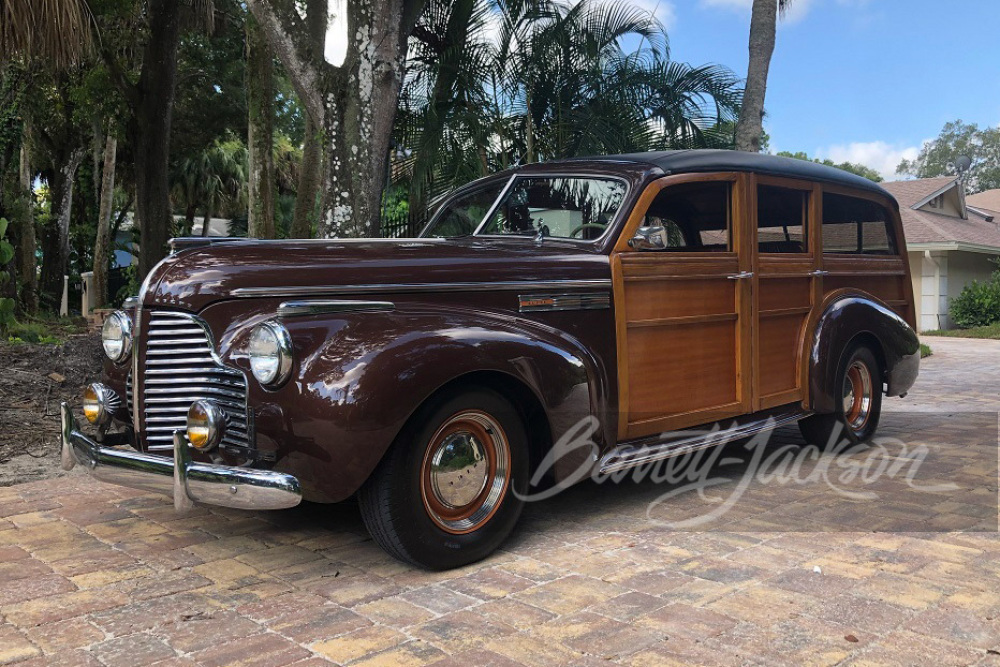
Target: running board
[{"x": 630, "y": 455}]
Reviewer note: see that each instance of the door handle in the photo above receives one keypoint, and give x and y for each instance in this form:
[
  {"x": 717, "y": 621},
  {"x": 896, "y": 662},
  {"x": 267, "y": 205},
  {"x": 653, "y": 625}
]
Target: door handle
[
  {"x": 819, "y": 273},
  {"x": 742, "y": 275}
]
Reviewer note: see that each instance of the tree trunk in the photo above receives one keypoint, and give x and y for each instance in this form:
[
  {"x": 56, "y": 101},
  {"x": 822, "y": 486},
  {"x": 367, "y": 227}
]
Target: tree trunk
[
  {"x": 24, "y": 258},
  {"x": 356, "y": 103},
  {"x": 149, "y": 132},
  {"x": 308, "y": 186},
  {"x": 763, "y": 26},
  {"x": 102, "y": 248},
  {"x": 260, "y": 102},
  {"x": 207, "y": 220},
  {"x": 57, "y": 236},
  {"x": 312, "y": 151}
]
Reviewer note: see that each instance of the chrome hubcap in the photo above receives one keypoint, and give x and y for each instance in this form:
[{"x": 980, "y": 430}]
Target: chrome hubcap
[
  {"x": 857, "y": 395},
  {"x": 465, "y": 472},
  {"x": 459, "y": 469}
]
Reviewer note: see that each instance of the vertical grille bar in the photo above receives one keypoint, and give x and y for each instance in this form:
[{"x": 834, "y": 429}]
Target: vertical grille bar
[{"x": 179, "y": 366}]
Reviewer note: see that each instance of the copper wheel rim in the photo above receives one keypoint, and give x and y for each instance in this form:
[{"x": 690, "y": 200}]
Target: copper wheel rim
[
  {"x": 465, "y": 472},
  {"x": 857, "y": 395}
]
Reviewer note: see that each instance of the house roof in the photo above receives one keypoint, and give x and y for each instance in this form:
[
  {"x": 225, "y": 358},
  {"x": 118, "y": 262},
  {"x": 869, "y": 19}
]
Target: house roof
[
  {"x": 927, "y": 227},
  {"x": 989, "y": 200}
]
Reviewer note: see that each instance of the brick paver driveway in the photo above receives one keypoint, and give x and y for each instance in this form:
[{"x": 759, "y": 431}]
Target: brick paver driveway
[{"x": 93, "y": 574}]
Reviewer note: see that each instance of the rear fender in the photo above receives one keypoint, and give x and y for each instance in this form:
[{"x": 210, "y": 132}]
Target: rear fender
[{"x": 846, "y": 318}]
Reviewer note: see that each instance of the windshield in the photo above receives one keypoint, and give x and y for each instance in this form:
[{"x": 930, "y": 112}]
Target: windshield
[{"x": 569, "y": 208}]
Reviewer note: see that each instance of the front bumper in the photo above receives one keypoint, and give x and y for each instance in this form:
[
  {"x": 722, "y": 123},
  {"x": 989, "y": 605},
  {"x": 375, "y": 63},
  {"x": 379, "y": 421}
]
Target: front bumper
[{"x": 187, "y": 481}]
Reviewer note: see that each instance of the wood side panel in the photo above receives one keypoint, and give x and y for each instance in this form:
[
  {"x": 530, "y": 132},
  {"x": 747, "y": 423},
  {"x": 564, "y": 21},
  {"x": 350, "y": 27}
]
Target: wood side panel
[
  {"x": 779, "y": 353},
  {"x": 782, "y": 293},
  {"x": 679, "y": 298},
  {"x": 678, "y": 369}
]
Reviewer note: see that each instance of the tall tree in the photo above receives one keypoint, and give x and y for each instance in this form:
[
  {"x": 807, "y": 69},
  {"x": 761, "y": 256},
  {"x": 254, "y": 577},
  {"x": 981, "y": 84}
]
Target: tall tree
[
  {"x": 763, "y": 29},
  {"x": 353, "y": 98},
  {"x": 151, "y": 101},
  {"x": 312, "y": 149},
  {"x": 260, "y": 133},
  {"x": 102, "y": 246}
]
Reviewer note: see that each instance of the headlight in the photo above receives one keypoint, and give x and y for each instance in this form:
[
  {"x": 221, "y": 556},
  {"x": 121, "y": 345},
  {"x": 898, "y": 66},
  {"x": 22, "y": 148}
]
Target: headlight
[
  {"x": 99, "y": 403},
  {"x": 205, "y": 423},
  {"x": 270, "y": 353},
  {"x": 116, "y": 336}
]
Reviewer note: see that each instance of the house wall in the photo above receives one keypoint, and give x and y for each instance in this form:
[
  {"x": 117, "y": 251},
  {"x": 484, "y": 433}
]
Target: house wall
[
  {"x": 938, "y": 277},
  {"x": 964, "y": 267}
]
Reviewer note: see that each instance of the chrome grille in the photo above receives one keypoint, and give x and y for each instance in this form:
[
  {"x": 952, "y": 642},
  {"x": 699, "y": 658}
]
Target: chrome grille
[{"x": 179, "y": 368}]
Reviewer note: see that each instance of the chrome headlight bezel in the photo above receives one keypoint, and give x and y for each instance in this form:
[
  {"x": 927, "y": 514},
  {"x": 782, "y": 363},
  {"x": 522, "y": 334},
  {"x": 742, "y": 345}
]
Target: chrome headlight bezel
[
  {"x": 269, "y": 350},
  {"x": 206, "y": 424},
  {"x": 123, "y": 321}
]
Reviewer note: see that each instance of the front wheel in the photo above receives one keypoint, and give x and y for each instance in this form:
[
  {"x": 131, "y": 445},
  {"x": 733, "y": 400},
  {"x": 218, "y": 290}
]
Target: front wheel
[
  {"x": 444, "y": 496},
  {"x": 859, "y": 382}
]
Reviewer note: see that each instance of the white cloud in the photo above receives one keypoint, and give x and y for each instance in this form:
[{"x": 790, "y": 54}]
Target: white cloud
[
  {"x": 879, "y": 155},
  {"x": 796, "y": 10}
]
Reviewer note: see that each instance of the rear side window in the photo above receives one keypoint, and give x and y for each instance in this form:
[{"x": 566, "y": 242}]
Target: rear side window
[
  {"x": 781, "y": 219},
  {"x": 856, "y": 226}
]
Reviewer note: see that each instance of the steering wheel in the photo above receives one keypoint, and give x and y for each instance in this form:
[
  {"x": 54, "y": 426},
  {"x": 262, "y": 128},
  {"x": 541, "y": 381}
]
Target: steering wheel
[{"x": 587, "y": 225}]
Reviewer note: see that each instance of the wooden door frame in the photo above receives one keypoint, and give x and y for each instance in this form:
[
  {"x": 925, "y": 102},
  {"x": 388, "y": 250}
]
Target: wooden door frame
[{"x": 740, "y": 244}]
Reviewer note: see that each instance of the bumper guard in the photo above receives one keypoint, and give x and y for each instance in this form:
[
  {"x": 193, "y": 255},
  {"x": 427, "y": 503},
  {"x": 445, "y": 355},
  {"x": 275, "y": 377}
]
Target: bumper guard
[{"x": 188, "y": 481}]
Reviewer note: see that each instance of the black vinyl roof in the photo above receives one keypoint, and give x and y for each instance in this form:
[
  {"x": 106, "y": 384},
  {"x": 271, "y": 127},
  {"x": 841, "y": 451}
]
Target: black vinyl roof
[{"x": 685, "y": 161}]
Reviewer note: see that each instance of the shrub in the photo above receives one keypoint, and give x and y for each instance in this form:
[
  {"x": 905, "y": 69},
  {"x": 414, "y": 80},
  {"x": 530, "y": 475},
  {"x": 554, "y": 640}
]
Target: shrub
[{"x": 978, "y": 305}]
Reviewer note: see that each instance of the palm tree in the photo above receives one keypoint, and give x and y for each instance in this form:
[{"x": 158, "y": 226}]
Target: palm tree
[
  {"x": 763, "y": 27},
  {"x": 493, "y": 83},
  {"x": 56, "y": 31}
]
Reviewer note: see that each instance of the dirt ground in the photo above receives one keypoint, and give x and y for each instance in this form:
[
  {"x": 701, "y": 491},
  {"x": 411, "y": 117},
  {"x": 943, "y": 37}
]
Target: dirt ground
[{"x": 34, "y": 379}]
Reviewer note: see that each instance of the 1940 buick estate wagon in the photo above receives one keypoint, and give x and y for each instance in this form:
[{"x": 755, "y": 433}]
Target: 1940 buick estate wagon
[{"x": 652, "y": 294}]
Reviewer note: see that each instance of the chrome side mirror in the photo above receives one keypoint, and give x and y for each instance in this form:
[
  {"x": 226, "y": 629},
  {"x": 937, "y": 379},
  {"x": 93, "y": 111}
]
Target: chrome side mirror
[{"x": 649, "y": 238}]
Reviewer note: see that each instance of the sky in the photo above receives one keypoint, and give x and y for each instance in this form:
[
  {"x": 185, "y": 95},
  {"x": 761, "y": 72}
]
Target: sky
[{"x": 859, "y": 80}]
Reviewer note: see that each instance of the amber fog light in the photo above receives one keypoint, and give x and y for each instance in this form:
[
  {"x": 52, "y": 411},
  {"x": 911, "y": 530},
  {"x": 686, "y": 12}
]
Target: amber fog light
[
  {"x": 99, "y": 404},
  {"x": 205, "y": 423}
]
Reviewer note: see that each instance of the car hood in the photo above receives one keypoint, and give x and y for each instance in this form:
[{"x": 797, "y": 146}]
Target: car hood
[{"x": 196, "y": 277}]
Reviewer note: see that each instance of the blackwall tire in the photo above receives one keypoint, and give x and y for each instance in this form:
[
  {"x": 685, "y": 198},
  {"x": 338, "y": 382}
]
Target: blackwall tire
[
  {"x": 444, "y": 495},
  {"x": 859, "y": 383}
]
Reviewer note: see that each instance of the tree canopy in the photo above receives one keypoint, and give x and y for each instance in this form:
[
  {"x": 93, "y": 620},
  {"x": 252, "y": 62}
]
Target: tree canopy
[
  {"x": 939, "y": 156},
  {"x": 853, "y": 167}
]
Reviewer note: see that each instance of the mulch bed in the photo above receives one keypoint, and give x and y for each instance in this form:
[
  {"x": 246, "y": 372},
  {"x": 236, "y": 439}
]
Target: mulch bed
[{"x": 34, "y": 379}]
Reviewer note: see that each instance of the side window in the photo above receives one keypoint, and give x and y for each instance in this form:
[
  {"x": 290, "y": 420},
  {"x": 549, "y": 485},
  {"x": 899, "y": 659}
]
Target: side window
[
  {"x": 852, "y": 225},
  {"x": 461, "y": 217},
  {"x": 781, "y": 219},
  {"x": 696, "y": 216}
]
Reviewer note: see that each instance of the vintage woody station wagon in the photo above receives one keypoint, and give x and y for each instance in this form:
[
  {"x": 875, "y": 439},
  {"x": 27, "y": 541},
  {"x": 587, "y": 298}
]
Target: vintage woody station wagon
[{"x": 652, "y": 294}]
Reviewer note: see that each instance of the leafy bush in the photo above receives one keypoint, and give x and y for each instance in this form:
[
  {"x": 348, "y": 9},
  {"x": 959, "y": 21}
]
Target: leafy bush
[
  {"x": 978, "y": 305},
  {"x": 6, "y": 254}
]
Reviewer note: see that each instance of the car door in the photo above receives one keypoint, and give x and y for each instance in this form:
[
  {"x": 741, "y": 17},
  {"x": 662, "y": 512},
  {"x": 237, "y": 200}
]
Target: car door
[
  {"x": 683, "y": 312},
  {"x": 786, "y": 285}
]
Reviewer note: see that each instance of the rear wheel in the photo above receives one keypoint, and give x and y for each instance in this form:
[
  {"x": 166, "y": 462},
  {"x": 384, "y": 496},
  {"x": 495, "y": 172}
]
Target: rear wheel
[
  {"x": 859, "y": 383},
  {"x": 444, "y": 495}
]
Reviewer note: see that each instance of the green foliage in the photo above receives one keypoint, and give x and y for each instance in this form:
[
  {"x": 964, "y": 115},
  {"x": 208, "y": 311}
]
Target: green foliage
[
  {"x": 925, "y": 351},
  {"x": 853, "y": 167},
  {"x": 978, "y": 305},
  {"x": 526, "y": 81},
  {"x": 937, "y": 157},
  {"x": 6, "y": 255}
]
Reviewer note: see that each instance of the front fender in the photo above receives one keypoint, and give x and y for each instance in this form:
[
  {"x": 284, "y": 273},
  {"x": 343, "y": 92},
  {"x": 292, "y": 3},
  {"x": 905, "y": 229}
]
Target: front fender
[
  {"x": 844, "y": 317},
  {"x": 359, "y": 377}
]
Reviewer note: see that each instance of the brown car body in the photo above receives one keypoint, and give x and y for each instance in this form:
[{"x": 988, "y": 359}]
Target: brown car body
[{"x": 657, "y": 343}]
